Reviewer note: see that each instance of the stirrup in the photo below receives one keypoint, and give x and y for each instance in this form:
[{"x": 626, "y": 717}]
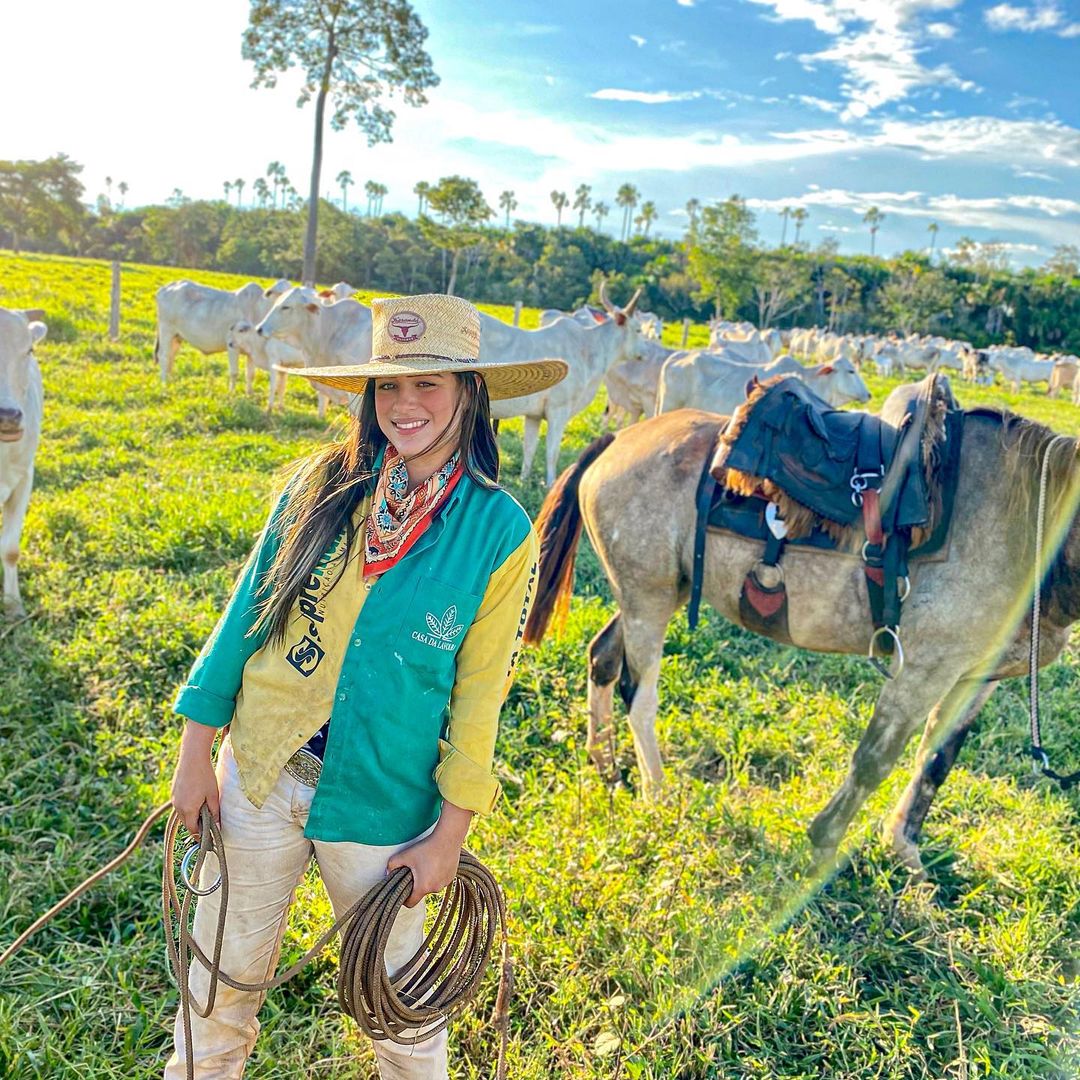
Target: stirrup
[{"x": 893, "y": 669}]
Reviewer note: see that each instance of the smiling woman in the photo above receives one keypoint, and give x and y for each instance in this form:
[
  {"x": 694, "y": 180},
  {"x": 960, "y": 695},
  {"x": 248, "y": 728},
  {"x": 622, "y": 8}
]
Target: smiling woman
[{"x": 361, "y": 664}]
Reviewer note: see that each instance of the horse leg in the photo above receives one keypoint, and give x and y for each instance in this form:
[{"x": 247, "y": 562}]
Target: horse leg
[
  {"x": 899, "y": 708},
  {"x": 643, "y": 637},
  {"x": 947, "y": 727},
  {"x": 529, "y": 441},
  {"x": 607, "y": 658}
]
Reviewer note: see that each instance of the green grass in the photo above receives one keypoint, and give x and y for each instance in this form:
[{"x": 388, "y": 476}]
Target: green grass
[{"x": 682, "y": 938}]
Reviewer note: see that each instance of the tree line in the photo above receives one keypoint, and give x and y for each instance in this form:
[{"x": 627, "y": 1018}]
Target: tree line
[{"x": 720, "y": 266}]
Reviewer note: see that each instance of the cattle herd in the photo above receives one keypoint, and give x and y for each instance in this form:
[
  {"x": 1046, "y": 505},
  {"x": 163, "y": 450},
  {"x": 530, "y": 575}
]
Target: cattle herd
[{"x": 285, "y": 327}]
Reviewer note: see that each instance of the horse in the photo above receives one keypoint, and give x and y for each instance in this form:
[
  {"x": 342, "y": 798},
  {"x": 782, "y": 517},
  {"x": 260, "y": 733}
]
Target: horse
[{"x": 964, "y": 626}]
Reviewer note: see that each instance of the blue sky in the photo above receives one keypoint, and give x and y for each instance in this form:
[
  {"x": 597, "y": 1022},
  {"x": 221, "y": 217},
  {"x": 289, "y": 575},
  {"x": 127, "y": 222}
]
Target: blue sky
[{"x": 959, "y": 112}]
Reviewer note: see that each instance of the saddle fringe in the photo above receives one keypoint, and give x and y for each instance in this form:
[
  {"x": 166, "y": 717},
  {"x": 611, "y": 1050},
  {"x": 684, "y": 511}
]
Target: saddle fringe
[{"x": 798, "y": 517}]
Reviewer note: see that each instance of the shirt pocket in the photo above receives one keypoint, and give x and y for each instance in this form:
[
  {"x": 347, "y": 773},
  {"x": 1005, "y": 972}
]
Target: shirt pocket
[{"x": 437, "y": 618}]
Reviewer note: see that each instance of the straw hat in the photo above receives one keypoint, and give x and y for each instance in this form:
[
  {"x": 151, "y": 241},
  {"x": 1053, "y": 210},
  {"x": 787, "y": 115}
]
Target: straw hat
[{"x": 423, "y": 335}]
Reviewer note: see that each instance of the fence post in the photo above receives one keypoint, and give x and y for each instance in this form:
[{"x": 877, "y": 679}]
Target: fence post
[
  {"x": 114, "y": 306},
  {"x": 517, "y": 312},
  {"x": 685, "y": 332}
]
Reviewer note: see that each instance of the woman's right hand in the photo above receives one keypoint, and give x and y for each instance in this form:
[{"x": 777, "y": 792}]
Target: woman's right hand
[{"x": 194, "y": 782}]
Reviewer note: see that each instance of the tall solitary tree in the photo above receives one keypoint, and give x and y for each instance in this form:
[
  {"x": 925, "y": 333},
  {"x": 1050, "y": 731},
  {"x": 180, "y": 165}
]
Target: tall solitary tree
[
  {"x": 627, "y": 197},
  {"x": 371, "y": 189},
  {"x": 648, "y": 216},
  {"x": 508, "y": 203},
  {"x": 421, "y": 191},
  {"x": 932, "y": 229},
  {"x": 228, "y": 187},
  {"x": 582, "y": 202},
  {"x": 600, "y": 211},
  {"x": 785, "y": 214},
  {"x": 560, "y": 202},
  {"x": 693, "y": 212},
  {"x": 122, "y": 187},
  {"x": 276, "y": 171},
  {"x": 352, "y": 51},
  {"x": 799, "y": 216},
  {"x": 873, "y": 217},
  {"x": 238, "y": 187},
  {"x": 344, "y": 181}
]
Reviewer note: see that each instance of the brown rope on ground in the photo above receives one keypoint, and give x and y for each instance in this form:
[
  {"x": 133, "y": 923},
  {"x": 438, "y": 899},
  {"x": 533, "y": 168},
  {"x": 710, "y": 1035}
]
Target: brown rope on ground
[{"x": 441, "y": 978}]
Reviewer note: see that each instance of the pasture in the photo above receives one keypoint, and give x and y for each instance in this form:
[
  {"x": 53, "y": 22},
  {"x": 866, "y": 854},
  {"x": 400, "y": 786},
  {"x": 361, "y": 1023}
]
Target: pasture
[{"x": 683, "y": 938}]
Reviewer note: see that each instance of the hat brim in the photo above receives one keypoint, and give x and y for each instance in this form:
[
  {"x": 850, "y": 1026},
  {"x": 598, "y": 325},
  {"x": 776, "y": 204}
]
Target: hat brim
[{"x": 503, "y": 380}]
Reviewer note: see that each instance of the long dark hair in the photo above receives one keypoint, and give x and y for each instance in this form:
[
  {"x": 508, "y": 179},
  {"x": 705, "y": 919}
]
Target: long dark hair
[{"x": 325, "y": 489}]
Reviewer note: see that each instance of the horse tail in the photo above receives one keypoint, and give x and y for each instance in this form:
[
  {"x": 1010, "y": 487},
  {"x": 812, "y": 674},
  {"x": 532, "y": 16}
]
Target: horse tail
[{"x": 559, "y": 529}]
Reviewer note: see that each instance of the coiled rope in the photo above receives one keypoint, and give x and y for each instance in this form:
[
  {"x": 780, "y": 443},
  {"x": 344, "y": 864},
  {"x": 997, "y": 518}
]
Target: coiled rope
[{"x": 440, "y": 979}]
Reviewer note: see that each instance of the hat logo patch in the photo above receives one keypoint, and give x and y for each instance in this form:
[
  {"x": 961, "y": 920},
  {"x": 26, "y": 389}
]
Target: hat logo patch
[{"x": 406, "y": 327}]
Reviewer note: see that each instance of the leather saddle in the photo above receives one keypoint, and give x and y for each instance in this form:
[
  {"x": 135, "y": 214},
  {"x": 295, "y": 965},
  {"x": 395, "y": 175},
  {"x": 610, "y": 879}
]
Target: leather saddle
[{"x": 789, "y": 468}]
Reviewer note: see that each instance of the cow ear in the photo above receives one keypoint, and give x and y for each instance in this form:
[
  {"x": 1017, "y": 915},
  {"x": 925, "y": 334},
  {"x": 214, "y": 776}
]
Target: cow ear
[
  {"x": 270, "y": 293},
  {"x": 326, "y": 293},
  {"x": 313, "y": 308},
  {"x": 34, "y": 314},
  {"x": 827, "y": 370},
  {"x": 38, "y": 330}
]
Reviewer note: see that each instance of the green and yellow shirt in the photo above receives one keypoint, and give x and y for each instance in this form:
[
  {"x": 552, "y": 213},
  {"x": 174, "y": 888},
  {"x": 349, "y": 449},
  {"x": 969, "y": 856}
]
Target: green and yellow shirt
[{"x": 411, "y": 670}]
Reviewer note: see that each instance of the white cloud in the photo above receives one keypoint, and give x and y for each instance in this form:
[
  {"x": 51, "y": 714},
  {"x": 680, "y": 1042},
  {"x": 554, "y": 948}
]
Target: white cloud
[
  {"x": 637, "y": 40},
  {"x": 1043, "y": 16},
  {"x": 818, "y": 103},
  {"x": 685, "y": 3},
  {"x": 877, "y": 45},
  {"x": 646, "y": 97},
  {"x": 1070, "y": 31}
]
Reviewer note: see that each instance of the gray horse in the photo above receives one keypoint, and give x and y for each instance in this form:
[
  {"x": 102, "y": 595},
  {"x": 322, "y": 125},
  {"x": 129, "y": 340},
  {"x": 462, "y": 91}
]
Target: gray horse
[{"x": 964, "y": 625}]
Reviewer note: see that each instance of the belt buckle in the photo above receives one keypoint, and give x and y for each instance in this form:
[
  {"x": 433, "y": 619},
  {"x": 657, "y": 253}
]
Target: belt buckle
[{"x": 305, "y": 767}]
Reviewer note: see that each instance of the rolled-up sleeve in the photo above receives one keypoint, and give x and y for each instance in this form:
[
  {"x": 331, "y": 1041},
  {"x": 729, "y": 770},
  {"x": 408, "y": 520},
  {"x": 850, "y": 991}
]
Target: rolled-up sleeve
[
  {"x": 485, "y": 670},
  {"x": 209, "y": 695}
]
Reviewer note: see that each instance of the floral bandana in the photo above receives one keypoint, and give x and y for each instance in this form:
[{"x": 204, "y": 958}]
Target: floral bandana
[{"x": 398, "y": 516}]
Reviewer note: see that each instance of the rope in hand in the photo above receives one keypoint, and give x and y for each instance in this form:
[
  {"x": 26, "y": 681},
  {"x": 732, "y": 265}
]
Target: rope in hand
[{"x": 440, "y": 979}]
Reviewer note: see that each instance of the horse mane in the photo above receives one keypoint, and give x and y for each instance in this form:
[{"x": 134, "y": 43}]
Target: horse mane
[{"x": 1025, "y": 443}]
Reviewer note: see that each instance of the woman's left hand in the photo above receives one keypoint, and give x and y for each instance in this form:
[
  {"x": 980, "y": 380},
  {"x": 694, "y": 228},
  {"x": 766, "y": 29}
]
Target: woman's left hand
[{"x": 434, "y": 860}]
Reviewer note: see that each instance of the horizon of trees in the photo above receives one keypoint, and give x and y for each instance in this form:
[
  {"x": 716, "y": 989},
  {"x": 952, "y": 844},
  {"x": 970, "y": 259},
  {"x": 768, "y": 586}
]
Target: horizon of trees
[{"x": 457, "y": 241}]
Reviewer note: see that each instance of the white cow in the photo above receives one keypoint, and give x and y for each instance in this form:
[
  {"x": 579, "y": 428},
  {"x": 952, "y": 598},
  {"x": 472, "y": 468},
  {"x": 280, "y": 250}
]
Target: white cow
[
  {"x": 585, "y": 315},
  {"x": 1019, "y": 364},
  {"x": 269, "y": 355},
  {"x": 324, "y": 333},
  {"x": 201, "y": 316},
  {"x": 716, "y": 383},
  {"x": 590, "y": 352},
  {"x": 21, "y": 398},
  {"x": 341, "y": 291},
  {"x": 1063, "y": 377},
  {"x": 632, "y": 385}
]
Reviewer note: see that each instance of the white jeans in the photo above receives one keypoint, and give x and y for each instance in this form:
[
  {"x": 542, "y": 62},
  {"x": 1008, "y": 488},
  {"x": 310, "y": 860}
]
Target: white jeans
[{"x": 268, "y": 855}]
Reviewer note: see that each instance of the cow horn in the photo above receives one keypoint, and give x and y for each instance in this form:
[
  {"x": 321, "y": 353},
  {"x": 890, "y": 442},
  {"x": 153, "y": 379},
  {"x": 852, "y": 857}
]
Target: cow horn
[
  {"x": 609, "y": 307},
  {"x": 629, "y": 309}
]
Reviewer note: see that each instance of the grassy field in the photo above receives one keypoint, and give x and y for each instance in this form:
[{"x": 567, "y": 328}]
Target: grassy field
[{"x": 682, "y": 938}]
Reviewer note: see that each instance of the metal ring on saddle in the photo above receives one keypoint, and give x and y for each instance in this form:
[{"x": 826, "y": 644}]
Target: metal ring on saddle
[
  {"x": 890, "y": 671},
  {"x": 778, "y": 567},
  {"x": 185, "y": 872}
]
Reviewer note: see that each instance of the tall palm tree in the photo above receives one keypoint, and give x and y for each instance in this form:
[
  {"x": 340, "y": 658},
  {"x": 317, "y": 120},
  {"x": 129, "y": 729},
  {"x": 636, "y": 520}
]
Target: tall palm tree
[
  {"x": 228, "y": 187},
  {"x": 422, "y": 190},
  {"x": 507, "y": 202},
  {"x": 238, "y": 187},
  {"x": 371, "y": 191},
  {"x": 344, "y": 180},
  {"x": 122, "y": 187},
  {"x": 785, "y": 214},
  {"x": 932, "y": 229},
  {"x": 276, "y": 171},
  {"x": 381, "y": 191},
  {"x": 627, "y": 197},
  {"x": 108, "y": 190},
  {"x": 582, "y": 202},
  {"x": 873, "y": 217},
  {"x": 693, "y": 208},
  {"x": 799, "y": 216},
  {"x": 262, "y": 190},
  {"x": 600, "y": 211},
  {"x": 648, "y": 216},
  {"x": 560, "y": 202}
]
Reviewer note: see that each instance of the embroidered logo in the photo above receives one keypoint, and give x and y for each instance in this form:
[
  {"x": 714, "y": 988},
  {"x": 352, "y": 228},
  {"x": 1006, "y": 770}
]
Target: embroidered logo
[
  {"x": 443, "y": 631},
  {"x": 406, "y": 326}
]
